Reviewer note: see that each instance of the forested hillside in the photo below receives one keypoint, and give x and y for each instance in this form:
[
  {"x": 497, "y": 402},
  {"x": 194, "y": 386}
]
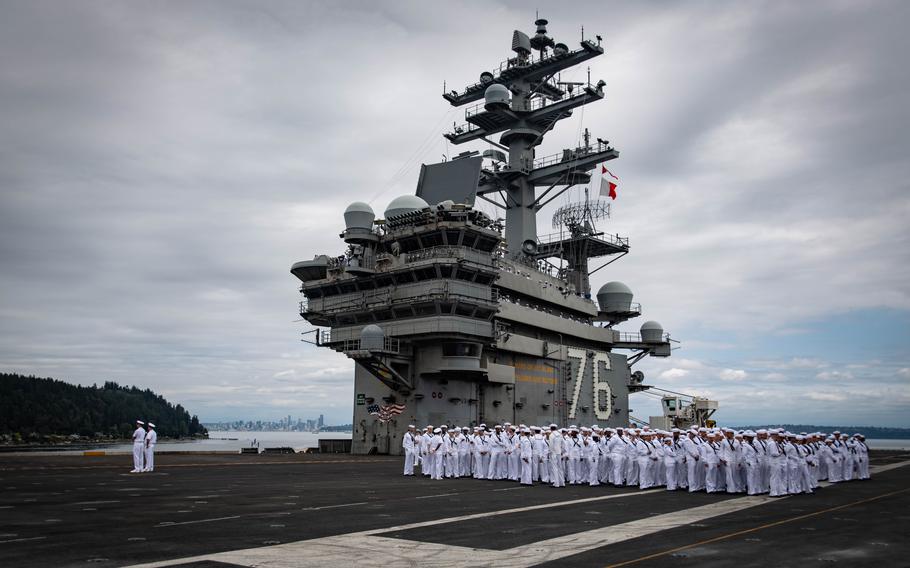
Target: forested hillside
[{"x": 32, "y": 406}]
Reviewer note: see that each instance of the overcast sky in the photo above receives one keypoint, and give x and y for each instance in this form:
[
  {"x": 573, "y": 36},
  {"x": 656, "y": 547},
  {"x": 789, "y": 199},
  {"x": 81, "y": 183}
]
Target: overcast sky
[{"x": 162, "y": 164}]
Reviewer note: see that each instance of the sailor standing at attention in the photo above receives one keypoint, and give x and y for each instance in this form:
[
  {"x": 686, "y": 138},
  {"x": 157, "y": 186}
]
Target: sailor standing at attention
[
  {"x": 409, "y": 444},
  {"x": 525, "y": 454},
  {"x": 427, "y": 460},
  {"x": 557, "y": 451},
  {"x": 151, "y": 438},
  {"x": 138, "y": 446},
  {"x": 669, "y": 456}
]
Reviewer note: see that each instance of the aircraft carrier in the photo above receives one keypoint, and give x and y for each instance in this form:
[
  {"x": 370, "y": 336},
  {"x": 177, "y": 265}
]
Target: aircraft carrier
[{"x": 456, "y": 317}]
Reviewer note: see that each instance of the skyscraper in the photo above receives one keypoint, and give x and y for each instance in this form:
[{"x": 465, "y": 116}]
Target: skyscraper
[{"x": 321, "y": 422}]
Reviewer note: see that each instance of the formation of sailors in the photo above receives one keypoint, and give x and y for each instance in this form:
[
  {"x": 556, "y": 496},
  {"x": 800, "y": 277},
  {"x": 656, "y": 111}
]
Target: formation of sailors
[
  {"x": 699, "y": 459},
  {"x": 144, "y": 440}
]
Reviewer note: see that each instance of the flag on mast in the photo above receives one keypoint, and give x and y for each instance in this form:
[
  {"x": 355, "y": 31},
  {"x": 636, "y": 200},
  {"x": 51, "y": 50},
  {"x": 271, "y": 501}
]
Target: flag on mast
[{"x": 607, "y": 188}]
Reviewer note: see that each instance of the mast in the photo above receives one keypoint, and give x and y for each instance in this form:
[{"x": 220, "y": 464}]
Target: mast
[{"x": 522, "y": 101}]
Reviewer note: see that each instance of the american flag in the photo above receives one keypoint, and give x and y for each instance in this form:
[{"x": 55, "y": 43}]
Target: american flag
[{"x": 385, "y": 413}]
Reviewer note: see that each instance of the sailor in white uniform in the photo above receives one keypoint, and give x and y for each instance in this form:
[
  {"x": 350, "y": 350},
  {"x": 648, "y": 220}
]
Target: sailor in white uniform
[
  {"x": 151, "y": 438},
  {"x": 138, "y": 446},
  {"x": 540, "y": 458},
  {"x": 409, "y": 445},
  {"x": 693, "y": 456},
  {"x": 669, "y": 456},
  {"x": 525, "y": 454},
  {"x": 862, "y": 456},
  {"x": 557, "y": 455},
  {"x": 751, "y": 462}
]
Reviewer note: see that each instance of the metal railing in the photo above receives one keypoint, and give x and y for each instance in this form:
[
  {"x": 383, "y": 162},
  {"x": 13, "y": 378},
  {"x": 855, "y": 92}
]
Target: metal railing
[
  {"x": 633, "y": 307},
  {"x": 556, "y": 237},
  {"x": 634, "y": 337},
  {"x": 449, "y": 251}
]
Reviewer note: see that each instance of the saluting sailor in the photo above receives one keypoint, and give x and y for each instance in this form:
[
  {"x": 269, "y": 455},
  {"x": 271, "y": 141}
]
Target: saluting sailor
[
  {"x": 151, "y": 438},
  {"x": 138, "y": 446}
]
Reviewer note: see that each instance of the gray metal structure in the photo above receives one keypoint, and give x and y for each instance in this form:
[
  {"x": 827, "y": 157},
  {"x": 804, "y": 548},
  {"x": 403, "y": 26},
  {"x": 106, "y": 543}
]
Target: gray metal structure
[{"x": 453, "y": 317}]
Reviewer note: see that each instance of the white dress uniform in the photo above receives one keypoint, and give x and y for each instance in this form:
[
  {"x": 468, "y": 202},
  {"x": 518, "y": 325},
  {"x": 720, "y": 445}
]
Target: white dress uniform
[
  {"x": 643, "y": 456},
  {"x": 835, "y": 465},
  {"x": 497, "y": 449},
  {"x": 670, "y": 464},
  {"x": 541, "y": 458},
  {"x": 525, "y": 455},
  {"x": 862, "y": 454},
  {"x": 574, "y": 453},
  {"x": 409, "y": 445},
  {"x": 151, "y": 438},
  {"x": 465, "y": 453},
  {"x": 481, "y": 455},
  {"x": 693, "y": 463},
  {"x": 778, "y": 468},
  {"x": 753, "y": 469},
  {"x": 728, "y": 453},
  {"x": 438, "y": 452},
  {"x": 849, "y": 461},
  {"x": 427, "y": 460},
  {"x": 138, "y": 447},
  {"x": 513, "y": 461},
  {"x": 682, "y": 478},
  {"x": 711, "y": 458},
  {"x": 617, "y": 448},
  {"x": 557, "y": 451}
]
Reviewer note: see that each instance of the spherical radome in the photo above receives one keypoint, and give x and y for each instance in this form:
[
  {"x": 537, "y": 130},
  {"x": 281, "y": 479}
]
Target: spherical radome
[
  {"x": 359, "y": 215},
  {"x": 405, "y": 204},
  {"x": 372, "y": 337},
  {"x": 497, "y": 94},
  {"x": 652, "y": 332},
  {"x": 614, "y": 297}
]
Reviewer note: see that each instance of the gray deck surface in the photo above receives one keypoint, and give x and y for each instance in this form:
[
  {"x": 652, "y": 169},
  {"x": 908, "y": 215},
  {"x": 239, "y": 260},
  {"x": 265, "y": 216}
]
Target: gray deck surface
[{"x": 79, "y": 511}]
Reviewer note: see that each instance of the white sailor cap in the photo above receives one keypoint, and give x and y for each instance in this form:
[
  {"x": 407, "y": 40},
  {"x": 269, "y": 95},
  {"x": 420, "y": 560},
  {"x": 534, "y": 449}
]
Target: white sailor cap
[
  {"x": 595, "y": 427},
  {"x": 536, "y": 428},
  {"x": 762, "y": 431},
  {"x": 727, "y": 429},
  {"x": 411, "y": 426},
  {"x": 140, "y": 422},
  {"x": 573, "y": 427},
  {"x": 749, "y": 433},
  {"x": 553, "y": 426},
  {"x": 829, "y": 439},
  {"x": 437, "y": 431},
  {"x": 498, "y": 426},
  {"x": 506, "y": 423},
  {"x": 151, "y": 425},
  {"x": 675, "y": 430},
  {"x": 836, "y": 432},
  {"x": 668, "y": 440},
  {"x": 738, "y": 435},
  {"x": 444, "y": 426},
  {"x": 429, "y": 426},
  {"x": 465, "y": 429},
  {"x": 477, "y": 428},
  {"x": 800, "y": 437}
]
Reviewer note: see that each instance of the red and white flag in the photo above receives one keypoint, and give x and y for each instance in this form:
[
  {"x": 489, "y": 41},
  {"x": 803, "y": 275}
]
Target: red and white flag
[{"x": 607, "y": 187}]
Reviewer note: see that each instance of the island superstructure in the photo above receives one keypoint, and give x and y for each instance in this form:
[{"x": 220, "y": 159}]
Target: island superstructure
[{"x": 455, "y": 317}]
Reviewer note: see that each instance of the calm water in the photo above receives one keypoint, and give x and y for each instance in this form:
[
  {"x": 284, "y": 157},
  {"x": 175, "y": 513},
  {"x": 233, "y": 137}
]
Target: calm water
[{"x": 228, "y": 441}]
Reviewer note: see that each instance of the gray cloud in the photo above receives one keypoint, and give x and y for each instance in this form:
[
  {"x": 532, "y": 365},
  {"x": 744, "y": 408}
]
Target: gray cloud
[{"x": 161, "y": 166}]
